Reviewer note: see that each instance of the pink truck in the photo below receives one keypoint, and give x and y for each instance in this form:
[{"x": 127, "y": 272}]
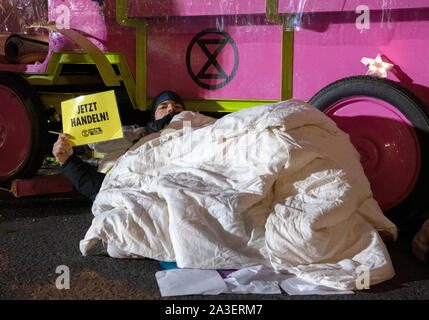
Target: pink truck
[{"x": 364, "y": 63}]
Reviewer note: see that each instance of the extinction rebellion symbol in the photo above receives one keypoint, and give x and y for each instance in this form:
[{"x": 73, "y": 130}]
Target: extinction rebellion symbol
[{"x": 216, "y": 68}]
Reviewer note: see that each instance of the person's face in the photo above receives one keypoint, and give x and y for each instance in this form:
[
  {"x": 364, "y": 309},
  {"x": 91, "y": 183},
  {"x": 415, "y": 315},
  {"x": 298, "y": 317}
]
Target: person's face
[{"x": 167, "y": 107}]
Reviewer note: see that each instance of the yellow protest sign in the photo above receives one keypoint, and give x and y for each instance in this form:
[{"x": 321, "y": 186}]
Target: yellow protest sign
[{"x": 92, "y": 118}]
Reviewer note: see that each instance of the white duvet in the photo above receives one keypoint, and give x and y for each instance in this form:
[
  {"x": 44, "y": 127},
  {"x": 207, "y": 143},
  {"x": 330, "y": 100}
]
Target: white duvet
[{"x": 278, "y": 185}]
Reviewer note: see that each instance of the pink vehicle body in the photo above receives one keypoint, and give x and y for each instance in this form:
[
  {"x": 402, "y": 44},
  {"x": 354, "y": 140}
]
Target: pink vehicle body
[
  {"x": 328, "y": 42},
  {"x": 224, "y": 55}
]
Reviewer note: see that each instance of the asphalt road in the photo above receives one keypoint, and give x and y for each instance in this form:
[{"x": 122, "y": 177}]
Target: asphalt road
[{"x": 40, "y": 234}]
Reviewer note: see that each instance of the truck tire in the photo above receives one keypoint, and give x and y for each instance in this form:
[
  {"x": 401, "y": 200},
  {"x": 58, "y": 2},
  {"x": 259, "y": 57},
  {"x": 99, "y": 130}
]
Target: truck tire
[
  {"x": 389, "y": 127},
  {"x": 23, "y": 129}
]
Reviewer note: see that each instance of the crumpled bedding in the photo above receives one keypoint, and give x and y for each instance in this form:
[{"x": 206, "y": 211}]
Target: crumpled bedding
[{"x": 278, "y": 185}]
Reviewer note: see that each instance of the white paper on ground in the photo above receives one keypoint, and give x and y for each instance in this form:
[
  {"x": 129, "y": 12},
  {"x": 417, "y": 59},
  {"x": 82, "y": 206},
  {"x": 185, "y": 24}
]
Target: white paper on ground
[
  {"x": 179, "y": 282},
  {"x": 296, "y": 286},
  {"x": 255, "y": 279}
]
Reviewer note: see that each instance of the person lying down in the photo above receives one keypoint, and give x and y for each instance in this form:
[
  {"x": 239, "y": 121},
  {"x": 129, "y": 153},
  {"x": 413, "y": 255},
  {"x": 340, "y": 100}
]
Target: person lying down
[
  {"x": 278, "y": 185},
  {"x": 85, "y": 178}
]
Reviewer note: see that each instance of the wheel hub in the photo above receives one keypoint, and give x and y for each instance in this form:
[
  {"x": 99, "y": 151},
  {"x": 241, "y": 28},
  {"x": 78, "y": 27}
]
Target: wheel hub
[{"x": 386, "y": 141}]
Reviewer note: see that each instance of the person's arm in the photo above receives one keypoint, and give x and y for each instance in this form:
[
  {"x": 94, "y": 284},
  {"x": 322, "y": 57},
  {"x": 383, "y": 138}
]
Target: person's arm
[{"x": 85, "y": 178}]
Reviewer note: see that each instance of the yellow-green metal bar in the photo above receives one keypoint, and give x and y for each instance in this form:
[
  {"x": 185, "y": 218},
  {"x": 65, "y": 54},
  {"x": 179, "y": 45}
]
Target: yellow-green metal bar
[
  {"x": 273, "y": 15},
  {"x": 272, "y": 11},
  {"x": 57, "y": 59},
  {"x": 140, "y": 25},
  {"x": 52, "y": 76},
  {"x": 104, "y": 67},
  {"x": 224, "y": 105},
  {"x": 287, "y": 65},
  {"x": 92, "y": 55}
]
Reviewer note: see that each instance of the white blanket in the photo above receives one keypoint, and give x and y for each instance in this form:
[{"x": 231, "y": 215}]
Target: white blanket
[{"x": 278, "y": 185}]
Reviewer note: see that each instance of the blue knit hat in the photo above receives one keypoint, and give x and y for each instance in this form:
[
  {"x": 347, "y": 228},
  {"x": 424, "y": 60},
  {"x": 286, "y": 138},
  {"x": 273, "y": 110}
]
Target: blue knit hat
[{"x": 163, "y": 96}]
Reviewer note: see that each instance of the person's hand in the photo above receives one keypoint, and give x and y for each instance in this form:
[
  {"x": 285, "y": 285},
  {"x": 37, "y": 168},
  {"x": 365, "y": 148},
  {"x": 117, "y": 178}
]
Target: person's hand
[{"x": 62, "y": 149}]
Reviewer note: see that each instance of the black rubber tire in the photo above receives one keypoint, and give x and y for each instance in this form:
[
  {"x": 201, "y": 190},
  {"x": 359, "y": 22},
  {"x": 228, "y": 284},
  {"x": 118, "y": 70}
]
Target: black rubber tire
[
  {"x": 409, "y": 213},
  {"x": 38, "y": 123}
]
